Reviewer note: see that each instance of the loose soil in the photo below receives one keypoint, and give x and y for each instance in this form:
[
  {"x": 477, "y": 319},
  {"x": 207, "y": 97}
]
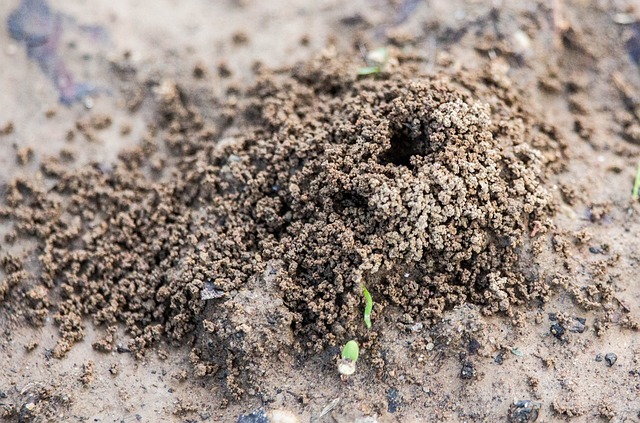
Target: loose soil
[{"x": 228, "y": 242}]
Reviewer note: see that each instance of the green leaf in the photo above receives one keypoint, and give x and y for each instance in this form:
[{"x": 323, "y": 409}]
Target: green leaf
[
  {"x": 368, "y": 307},
  {"x": 350, "y": 351},
  {"x": 636, "y": 184},
  {"x": 369, "y": 70}
]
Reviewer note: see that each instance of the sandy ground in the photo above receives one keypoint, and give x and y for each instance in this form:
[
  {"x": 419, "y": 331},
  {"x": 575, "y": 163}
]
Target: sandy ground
[{"x": 571, "y": 80}]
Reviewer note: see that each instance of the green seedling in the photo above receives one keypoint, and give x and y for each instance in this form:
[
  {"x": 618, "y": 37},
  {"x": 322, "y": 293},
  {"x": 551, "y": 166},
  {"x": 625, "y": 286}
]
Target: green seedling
[
  {"x": 376, "y": 59},
  {"x": 636, "y": 185},
  {"x": 368, "y": 307},
  {"x": 348, "y": 358},
  {"x": 368, "y": 70},
  {"x": 350, "y": 351}
]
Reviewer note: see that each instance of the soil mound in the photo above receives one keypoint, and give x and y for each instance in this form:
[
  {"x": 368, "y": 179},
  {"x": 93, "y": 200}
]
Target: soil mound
[{"x": 260, "y": 229}]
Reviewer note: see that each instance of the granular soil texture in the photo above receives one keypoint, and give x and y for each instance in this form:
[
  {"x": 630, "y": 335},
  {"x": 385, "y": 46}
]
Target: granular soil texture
[{"x": 250, "y": 235}]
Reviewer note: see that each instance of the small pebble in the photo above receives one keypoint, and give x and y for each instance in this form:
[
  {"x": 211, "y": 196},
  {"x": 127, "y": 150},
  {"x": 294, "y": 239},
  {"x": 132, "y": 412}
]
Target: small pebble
[
  {"x": 523, "y": 411},
  {"x": 579, "y": 326},
  {"x": 611, "y": 359},
  {"x": 468, "y": 371},
  {"x": 557, "y": 330},
  {"x": 516, "y": 351},
  {"x": 474, "y": 346},
  {"x": 393, "y": 400},
  {"x": 599, "y": 357},
  {"x": 258, "y": 416}
]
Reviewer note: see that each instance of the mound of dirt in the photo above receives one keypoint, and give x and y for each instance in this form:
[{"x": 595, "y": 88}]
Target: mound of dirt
[{"x": 252, "y": 235}]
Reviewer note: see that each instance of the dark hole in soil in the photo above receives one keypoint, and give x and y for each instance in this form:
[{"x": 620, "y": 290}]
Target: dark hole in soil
[
  {"x": 403, "y": 146},
  {"x": 482, "y": 282},
  {"x": 350, "y": 200}
]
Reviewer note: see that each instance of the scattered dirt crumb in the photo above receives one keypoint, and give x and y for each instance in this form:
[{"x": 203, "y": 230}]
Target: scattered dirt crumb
[
  {"x": 24, "y": 155},
  {"x": 223, "y": 70},
  {"x": 7, "y": 129},
  {"x": 99, "y": 122},
  {"x": 240, "y": 38},
  {"x": 88, "y": 373}
]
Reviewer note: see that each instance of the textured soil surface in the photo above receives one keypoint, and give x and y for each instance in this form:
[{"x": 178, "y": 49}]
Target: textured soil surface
[{"x": 188, "y": 215}]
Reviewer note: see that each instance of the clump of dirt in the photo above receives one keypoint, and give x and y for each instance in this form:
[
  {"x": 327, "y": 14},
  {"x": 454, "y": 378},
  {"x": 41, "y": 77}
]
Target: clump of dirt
[{"x": 260, "y": 231}]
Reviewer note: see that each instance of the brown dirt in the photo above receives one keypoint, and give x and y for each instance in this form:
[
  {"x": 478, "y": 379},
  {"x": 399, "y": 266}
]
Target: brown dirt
[
  {"x": 238, "y": 231},
  {"x": 406, "y": 184}
]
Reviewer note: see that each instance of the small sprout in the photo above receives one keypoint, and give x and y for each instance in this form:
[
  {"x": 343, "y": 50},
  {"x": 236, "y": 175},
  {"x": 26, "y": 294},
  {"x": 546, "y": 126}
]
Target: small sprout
[
  {"x": 368, "y": 70},
  {"x": 368, "y": 307},
  {"x": 636, "y": 185},
  {"x": 348, "y": 358},
  {"x": 376, "y": 59},
  {"x": 350, "y": 351}
]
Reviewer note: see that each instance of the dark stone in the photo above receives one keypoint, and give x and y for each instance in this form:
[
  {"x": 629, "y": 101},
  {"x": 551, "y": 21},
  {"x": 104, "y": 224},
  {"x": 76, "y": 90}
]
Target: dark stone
[
  {"x": 558, "y": 331},
  {"x": 474, "y": 346},
  {"x": 468, "y": 370},
  {"x": 611, "y": 359},
  {"x": 599, "y": 357},
  {"x": 258, "y": 416},
  {"x": 26, "y": 411},
  {"x": 393, "y": 400},
  {"x": 596, "y": 250},
  {"x": 121, "y": 349},
  {"x": 499, "y": 358},
  {"x": 523, "y": 411}
]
